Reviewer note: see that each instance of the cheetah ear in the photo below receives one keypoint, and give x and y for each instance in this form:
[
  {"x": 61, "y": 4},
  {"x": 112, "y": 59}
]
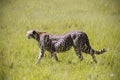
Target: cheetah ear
[{"x": 34, "y": 32}]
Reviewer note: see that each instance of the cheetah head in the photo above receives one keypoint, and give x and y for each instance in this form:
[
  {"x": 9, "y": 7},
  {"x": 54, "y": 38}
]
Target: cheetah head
[{"x": 32, "y": 34}]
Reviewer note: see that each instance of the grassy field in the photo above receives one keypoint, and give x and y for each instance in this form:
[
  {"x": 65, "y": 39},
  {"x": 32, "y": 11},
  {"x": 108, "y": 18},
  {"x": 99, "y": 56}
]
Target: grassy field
[{"x": 100, "y": 19}]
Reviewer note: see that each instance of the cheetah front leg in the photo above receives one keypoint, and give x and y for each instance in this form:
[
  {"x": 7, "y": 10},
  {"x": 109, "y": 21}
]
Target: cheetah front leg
[
  {"x": 41, "y": 54},
  {"x": 54, "y": 55}
]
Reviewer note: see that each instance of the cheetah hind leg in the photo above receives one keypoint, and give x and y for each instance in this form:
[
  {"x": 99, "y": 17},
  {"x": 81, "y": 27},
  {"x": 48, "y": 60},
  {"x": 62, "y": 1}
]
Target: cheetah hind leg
[
  {"x": 94, "y": 58},
  {"x": 78, "y": 52}
]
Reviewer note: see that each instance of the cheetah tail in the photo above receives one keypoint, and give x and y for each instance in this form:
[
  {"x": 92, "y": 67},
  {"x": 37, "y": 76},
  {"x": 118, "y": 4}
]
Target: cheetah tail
[{"x": 98, "y": 52}]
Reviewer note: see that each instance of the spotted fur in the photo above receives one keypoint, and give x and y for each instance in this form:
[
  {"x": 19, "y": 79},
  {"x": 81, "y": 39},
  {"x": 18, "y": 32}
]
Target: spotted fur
[{"x": 60, "y": 43}]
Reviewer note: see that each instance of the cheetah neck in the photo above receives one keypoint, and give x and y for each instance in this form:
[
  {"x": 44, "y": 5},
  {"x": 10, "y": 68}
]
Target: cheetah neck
[{"x": 37, "y": 38}]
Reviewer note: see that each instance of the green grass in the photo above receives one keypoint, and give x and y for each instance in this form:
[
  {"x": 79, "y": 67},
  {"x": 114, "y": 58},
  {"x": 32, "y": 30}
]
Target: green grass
[{"x": 100, "y": 19}]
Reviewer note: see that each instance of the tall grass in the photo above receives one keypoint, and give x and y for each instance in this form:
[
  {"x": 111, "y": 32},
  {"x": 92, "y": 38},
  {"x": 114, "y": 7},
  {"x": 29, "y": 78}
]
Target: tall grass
[{"x": 99, "y": 19}]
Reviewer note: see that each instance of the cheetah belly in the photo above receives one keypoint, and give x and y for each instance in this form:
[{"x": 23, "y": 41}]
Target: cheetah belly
[{"x": 63, "y": 45}]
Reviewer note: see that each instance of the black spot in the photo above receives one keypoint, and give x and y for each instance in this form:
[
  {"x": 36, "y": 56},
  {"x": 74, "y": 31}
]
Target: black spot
[{"x": 74, "y": 36}]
